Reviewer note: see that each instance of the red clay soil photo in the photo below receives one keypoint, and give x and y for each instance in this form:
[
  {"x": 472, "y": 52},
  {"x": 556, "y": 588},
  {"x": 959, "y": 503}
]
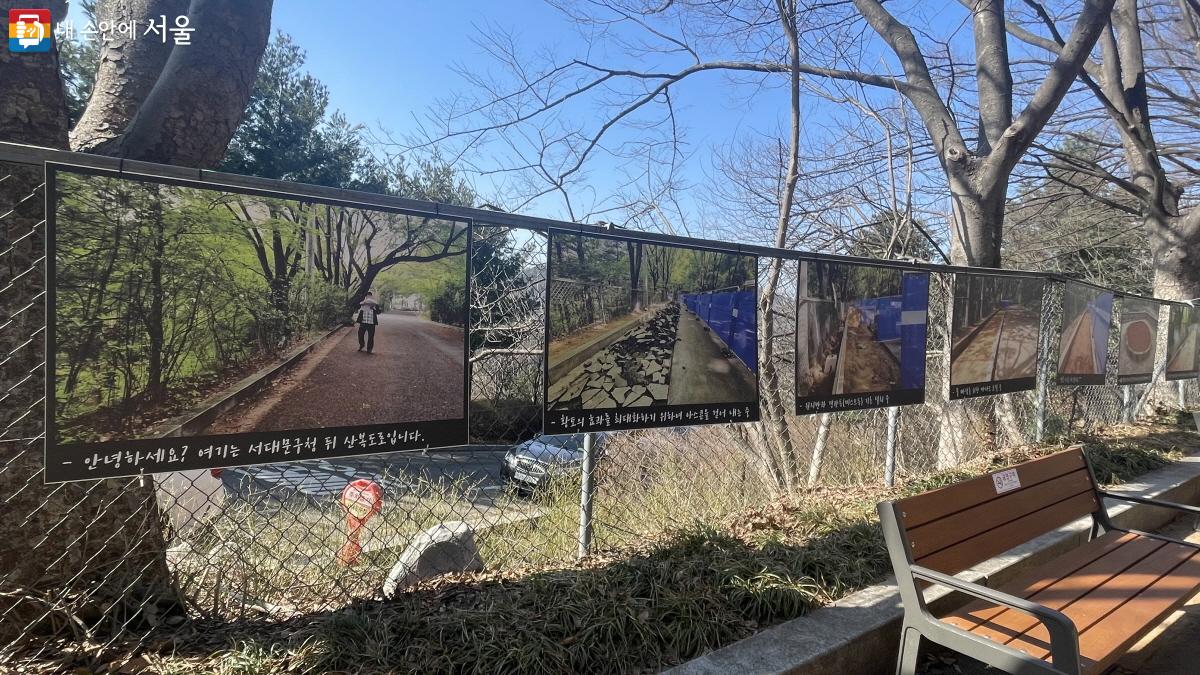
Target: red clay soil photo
[
  {"x": 212, "y": 311},
  {"x": 860, "y": 330}
]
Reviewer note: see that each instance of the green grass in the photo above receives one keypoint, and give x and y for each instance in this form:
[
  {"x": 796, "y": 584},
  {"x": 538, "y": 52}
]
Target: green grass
[
  {"x": 691, "y": 558},
  {"x": 282, "y": 556},
  {"x": 692, "y": 590}
]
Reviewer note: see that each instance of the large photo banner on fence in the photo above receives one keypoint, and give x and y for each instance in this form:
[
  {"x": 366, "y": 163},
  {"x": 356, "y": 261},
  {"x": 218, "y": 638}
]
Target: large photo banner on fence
[
  {"x": 1083, "y": 344},
  {"x": 996, "y": 324},
  {"x": 860, "y": 336},
  {"x": 193, "y": 326},
  {"x": 648, "y": 335},
  {"x": 1183, "y": 343},
  {"x": 1138, "y": 340}
]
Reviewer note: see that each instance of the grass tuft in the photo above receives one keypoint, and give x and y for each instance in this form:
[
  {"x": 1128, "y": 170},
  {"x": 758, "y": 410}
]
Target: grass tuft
[{"x": 662, "y": 592}]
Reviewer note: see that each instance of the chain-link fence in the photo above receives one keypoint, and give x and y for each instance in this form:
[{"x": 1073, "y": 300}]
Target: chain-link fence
[{"x": 84, "y": 563}]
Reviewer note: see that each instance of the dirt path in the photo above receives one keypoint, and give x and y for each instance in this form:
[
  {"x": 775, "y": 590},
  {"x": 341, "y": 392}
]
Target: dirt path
[
  {"x": 1079, "y": 355},
  {"x": 1005, "y": 348},
  {"x": 1016, "y": 355},
  {"x": 868, "y": 367},
  {"x": 1184, "y": 358},
  {"x": 415, "y": 373}
]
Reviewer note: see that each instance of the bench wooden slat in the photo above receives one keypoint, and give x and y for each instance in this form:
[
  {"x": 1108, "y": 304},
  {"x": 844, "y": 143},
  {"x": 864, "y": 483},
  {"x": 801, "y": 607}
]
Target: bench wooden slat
[
  {"x": 1009, "y": 626},
  {"x": 1108, "y": 597},
  {"x": 1106, "y": 640},
  {"x": 923, "y": 508},
  {"x": 989, "y": 544},
  {"x": 1114, "y": 589},
  {"x": 1032, "y": 581},
  {"x": 945, "y": 532}
]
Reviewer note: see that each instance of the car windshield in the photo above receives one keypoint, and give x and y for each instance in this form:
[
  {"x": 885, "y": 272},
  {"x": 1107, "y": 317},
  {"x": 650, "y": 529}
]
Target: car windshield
[{"x": 566, "y": 441}]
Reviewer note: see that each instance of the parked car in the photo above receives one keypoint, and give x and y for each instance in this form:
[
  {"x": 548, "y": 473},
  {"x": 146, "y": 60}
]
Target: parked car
[{"x": 534, "y": 463}]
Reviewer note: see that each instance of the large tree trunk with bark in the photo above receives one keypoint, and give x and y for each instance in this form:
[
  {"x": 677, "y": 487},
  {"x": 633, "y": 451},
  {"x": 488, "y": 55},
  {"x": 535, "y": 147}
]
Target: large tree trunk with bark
[
  {"x": 977, "y": 217},
  {"x": 95, "y": 550},
  {"x": 75, "y": 542},
  {"x": 1175, "y": 242},
  {"x": 977, "y": 222},
  {"x": 129, "y": 67},
  {"x": 193, "y": 110}
]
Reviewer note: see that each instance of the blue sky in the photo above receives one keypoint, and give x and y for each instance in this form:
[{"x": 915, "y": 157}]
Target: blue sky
[
  {"x": 387, "y": 62},
  {"x": 402, "y": 57}
]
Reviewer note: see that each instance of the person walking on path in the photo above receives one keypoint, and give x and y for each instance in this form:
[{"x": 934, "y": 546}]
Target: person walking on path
[{"x": 367, "y": 318}]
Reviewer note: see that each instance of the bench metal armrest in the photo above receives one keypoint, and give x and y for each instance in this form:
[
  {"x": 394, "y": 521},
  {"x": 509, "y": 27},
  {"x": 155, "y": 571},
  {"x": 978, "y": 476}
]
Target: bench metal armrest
[
  {"x": 1151, "y": 502},
  {"x": 1064, "y": 638}
]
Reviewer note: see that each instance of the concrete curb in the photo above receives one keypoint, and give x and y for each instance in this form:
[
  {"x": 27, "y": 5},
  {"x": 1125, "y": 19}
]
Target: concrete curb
[
  {"x": 860, "y": 633},
  {"x": 191, "y": 422}
]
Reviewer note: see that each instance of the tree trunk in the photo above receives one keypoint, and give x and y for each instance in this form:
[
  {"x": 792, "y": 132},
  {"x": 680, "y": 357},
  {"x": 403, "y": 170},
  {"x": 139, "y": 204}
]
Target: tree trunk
[
  {"x": 818, "y": 451},
  {"x": 129, "y": 67},
  {"x": 198, "y": 101},
  {"x": 977, "y": 223},
  {"x": 364, "y": 285},
  {"x": 155, "y": 320},
  {"x": 776, "y": 402},
  {"x": 977, "y": 216},
  {"x": 1175, "y": 243},
  {"x": 95, "y": 548},
  {"x": 80, "y": 543},
  {"x": 635, "y": 275}
]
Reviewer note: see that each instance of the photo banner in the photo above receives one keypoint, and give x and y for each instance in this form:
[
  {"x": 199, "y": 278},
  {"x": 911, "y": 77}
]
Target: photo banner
[
  {"x": 1083, "y": 342},
  {"x": 1138, "y": 340},
  {"x": 1183, "y": 343},
  {"x": 996, "y": 325},
  {"x": 192, "y": 326},
  {"x": 860, "y": 336},
  {"x": 642, "y": 335}
]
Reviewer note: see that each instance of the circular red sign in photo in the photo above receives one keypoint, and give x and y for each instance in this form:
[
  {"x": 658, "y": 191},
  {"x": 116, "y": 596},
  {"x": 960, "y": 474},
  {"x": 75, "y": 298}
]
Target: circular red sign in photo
[{"x": 362, "y": 498}]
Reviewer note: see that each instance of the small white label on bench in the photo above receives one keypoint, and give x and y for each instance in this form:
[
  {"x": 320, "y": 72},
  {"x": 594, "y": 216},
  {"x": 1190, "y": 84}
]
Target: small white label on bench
[{"x": 1006, "y": 481}]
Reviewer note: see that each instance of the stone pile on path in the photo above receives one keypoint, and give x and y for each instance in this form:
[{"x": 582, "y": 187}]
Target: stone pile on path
[{"x": 634, "y": 371}]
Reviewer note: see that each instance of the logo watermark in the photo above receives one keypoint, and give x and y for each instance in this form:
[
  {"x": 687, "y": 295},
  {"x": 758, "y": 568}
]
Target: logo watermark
[{"x": 29, "y": 30}]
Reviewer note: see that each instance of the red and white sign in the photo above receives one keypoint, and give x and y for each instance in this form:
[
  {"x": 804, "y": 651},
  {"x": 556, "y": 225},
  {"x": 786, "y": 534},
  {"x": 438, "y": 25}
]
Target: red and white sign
[{"x": 362, "y": 499}]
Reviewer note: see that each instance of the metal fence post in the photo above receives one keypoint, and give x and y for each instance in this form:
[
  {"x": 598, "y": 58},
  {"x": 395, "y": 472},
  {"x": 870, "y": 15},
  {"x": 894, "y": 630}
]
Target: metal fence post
[
  {"x": 1039, "y": 428},
  {"x": 1044, "y": 360},
  {"x": 1182, "y": 395},
  {"x": 585, "y": 497},
  {"x": 889, "y": 465},
  {"x": 1127, "y": 403}
]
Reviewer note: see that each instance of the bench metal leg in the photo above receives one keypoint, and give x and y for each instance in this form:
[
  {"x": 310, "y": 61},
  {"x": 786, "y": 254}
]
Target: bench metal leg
[{"x": 910, "y": 647}]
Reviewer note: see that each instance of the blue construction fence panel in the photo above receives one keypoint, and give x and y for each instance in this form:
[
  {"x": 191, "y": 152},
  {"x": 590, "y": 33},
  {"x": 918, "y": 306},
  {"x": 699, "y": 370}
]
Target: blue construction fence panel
[
  {"x": 733, "y": 317},
  {"x": 884, "y": 312},
  {"x": 902, "y": 319},
  {"x": 914, "y": 312}
]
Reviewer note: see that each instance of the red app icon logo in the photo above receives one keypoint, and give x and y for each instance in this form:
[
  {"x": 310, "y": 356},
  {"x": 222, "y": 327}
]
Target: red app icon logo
[{"x": 29, "y": 30}]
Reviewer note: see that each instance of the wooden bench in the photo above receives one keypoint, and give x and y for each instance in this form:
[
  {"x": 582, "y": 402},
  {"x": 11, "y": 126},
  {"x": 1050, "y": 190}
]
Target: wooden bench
[{"x": 1075, "y": 614}]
